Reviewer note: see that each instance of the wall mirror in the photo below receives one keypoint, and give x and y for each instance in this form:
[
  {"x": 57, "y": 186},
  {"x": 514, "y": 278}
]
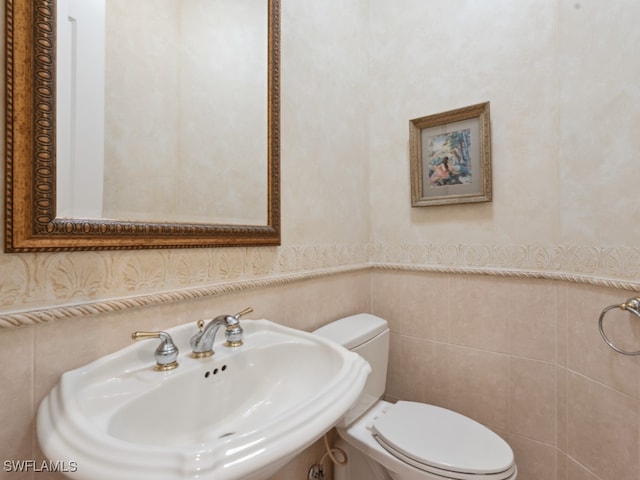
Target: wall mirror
[{"x": 142, "y": 124}]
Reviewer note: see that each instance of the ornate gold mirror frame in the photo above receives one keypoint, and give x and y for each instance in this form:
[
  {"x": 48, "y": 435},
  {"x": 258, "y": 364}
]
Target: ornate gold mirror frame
[{"x": 31, "y": 222}]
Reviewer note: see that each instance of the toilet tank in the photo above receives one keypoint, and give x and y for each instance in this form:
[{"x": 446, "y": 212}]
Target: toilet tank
[{"x": 368, "y": 336}]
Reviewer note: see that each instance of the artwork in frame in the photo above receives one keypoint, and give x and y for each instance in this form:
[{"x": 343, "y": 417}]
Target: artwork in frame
[{"x": 450, "y": 156}]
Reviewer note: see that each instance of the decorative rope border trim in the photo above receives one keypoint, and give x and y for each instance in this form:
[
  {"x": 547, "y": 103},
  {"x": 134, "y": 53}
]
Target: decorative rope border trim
[
  {"x": 536, "y": 274},
  {"x": 50, "y": 314}
]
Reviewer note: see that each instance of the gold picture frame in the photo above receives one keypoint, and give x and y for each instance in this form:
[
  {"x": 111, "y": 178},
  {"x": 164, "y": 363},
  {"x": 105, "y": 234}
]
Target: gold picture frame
[{"x": 450, "y": 155}]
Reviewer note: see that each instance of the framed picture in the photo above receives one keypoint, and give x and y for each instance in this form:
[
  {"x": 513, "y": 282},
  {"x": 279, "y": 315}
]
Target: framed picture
[{"x": 450, "y": 156}]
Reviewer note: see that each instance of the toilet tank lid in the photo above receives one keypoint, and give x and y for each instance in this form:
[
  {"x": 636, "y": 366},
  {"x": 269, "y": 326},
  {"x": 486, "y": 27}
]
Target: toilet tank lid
[{"x": 353, "y": 331}]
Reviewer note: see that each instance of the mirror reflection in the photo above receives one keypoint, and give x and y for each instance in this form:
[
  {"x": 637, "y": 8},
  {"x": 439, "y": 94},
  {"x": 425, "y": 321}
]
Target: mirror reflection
[
  {"x": 161, "y": 130},
  {"x": 162, "y": 110}
]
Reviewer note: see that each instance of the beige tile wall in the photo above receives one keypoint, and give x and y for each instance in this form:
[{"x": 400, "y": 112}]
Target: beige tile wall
[
  {"x": 521, "y": 356},
  {"x": 33, "y": 358},
  {"x": 525, "y": 358}
]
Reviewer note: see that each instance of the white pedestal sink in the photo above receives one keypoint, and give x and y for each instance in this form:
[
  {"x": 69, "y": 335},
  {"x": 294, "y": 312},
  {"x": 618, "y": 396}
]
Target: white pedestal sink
[{"x": 240, "y": 414}]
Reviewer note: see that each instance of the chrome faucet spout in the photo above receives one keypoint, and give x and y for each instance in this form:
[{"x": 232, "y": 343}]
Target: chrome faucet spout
[{"x": 202, "y": 342}]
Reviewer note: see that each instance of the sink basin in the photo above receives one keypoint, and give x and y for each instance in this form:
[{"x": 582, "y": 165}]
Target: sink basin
[{"x": 240, "y": 414}]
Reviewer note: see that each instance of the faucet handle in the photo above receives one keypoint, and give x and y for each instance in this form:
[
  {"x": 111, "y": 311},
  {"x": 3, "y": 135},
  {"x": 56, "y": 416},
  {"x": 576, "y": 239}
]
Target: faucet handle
[
  {"x": 166, "y": 354},
  {"x": 234, "y": 332},
  {"x": 243, "y": 312}
]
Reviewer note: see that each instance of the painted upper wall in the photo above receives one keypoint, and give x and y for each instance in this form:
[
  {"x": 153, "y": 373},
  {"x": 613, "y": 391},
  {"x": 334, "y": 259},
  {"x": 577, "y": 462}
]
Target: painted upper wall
[{"x": 561, "y": 76}]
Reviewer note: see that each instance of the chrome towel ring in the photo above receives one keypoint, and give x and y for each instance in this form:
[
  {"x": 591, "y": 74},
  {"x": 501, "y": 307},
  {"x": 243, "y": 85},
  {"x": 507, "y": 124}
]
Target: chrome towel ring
[{"x": 632, "y": 305}]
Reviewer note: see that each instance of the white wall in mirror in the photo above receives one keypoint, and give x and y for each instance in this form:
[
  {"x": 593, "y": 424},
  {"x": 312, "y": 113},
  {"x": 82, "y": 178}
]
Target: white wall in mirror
[
  {"x": 80, "y": 108},
  {"x": 185, "y": 113}
]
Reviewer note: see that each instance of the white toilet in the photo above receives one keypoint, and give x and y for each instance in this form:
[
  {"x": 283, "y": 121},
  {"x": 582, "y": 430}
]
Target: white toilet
[{"x": 408, "y": 440}]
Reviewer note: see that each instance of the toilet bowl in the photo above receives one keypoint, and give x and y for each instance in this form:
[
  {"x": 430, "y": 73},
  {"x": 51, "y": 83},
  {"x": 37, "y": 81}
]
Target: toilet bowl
[{"x": 408, "y": 440}]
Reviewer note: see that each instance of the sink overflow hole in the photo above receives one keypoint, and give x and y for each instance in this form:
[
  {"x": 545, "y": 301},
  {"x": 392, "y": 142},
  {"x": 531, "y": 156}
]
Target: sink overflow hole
[
  {"x": 215, "y": 371},
  {"x": 226, "y": 434}
]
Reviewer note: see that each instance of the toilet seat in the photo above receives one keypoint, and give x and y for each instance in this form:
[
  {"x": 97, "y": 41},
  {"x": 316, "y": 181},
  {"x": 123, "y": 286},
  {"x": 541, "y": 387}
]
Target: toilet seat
[{"x": 442, "y": 442}]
